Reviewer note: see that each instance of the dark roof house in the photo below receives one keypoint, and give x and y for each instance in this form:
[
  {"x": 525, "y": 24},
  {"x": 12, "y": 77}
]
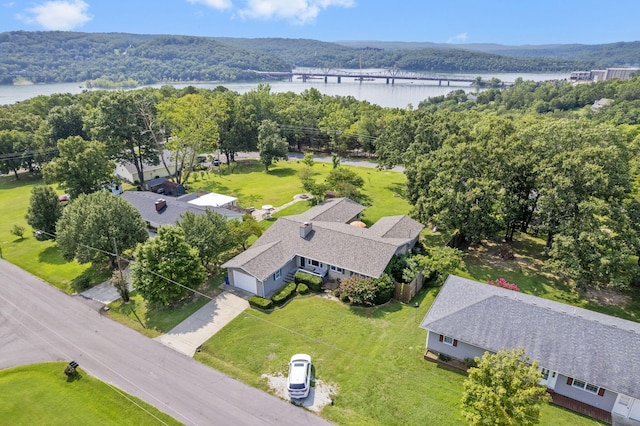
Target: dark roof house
[{"x": 585, "y": 356}]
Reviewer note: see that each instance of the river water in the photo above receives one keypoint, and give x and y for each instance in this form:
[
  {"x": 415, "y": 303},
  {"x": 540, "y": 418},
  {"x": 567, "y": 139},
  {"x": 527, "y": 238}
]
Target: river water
[{"x": 399, "y": 95}]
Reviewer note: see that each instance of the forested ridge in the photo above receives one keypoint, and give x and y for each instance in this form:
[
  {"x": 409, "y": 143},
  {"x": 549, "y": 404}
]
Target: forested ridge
[
  {"x": 535, "y": 158},
  {"x": 52, "y": 57}
]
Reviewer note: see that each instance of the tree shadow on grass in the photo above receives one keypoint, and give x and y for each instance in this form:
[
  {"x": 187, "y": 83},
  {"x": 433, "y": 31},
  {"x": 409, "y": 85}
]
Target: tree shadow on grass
[
  {"x": 93, "y": 275},
  {"x": 282, "y": 172},
  {"x": 52, "y": 256},
  {"x": 398, "y": 188}
]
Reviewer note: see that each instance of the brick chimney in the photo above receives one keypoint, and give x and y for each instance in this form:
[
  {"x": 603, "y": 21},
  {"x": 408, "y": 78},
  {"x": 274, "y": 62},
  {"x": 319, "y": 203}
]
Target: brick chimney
[
  {"x": 161, "y": 203},
  {"x": 305, "y": 229}
]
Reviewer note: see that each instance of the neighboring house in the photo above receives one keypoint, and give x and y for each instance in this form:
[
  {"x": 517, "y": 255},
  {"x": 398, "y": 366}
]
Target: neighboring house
[
  {"x": 590, "y": 362},
  {"x": 127, "y": 171},
  {"x": 158, "y": 210},
  {"x": 321, "y": 241},
  {"x": 600, "y": 103}
]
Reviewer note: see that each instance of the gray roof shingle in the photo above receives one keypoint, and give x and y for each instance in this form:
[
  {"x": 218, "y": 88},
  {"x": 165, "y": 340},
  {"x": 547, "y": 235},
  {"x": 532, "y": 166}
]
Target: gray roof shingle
[
  {"x": 333, "y": 243},
  {"x": 144, "y": 202},
  {"x": 575, "y": 342}
]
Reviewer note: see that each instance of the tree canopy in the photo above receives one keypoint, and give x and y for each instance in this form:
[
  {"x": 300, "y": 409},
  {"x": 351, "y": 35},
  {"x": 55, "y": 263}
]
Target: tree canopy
[
  {"x": 93, "y": 227},
  {"x": 503, "y": 390},
  {"x": 166, "y": 267}
]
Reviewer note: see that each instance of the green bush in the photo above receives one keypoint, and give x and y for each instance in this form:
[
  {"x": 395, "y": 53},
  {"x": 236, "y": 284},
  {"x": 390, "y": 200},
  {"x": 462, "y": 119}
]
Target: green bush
[
  {"x": 312, "y": 281},
  {"x": 444, "y": 357},
  {"x": 285, "y": 294},
  {"x": 302, "y": 288},
  {"x": 470, "y": 362},
  {"x": 386, "y": 286},
  {"x": 260, "y": 302}
]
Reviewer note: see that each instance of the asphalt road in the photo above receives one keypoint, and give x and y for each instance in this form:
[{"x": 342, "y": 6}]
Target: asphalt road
[{"x": 39, "y": 323}]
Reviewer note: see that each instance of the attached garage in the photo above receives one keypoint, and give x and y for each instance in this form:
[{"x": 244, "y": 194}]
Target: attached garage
[{"x": 245, "y": 282}]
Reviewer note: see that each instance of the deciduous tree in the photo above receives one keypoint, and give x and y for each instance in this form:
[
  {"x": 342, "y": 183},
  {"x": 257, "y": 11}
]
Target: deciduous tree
[
  {"x": 209, "y": 233},
  {"x": 503, "y": 390},
  {"x": 93, "y": 226},
  {"x": 166, "y": 267},
  {"x": 271, "y": 146},
  {"x": 44, "y": 209},
  {"x": 81, "y": 168}
]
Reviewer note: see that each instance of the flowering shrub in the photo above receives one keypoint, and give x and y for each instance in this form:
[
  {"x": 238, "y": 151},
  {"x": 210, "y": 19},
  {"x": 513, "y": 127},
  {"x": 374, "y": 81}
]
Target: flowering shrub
[
  {"x": 365, "y": 291},
  {"x": 501, "y": 282}
]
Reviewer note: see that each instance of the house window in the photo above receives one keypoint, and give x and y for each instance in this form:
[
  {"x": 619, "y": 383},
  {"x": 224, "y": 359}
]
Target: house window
[
  {"x": 314, "y": 262},
  {"x": 581, "y": 384},
  {"x": 277, "y": 274},
  {"x": 448, "y": 340},
  {"x": 545, "y": 374},
  {"x": 337, "y": 269}
]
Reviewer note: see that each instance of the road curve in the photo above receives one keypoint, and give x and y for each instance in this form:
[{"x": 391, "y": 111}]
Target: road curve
[{"x": 39, "y": 323}]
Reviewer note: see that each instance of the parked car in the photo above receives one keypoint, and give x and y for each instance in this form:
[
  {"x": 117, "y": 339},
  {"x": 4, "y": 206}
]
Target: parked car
[
  {"x": 216, "y": 162},
  {"x": 299, "y": 378}
]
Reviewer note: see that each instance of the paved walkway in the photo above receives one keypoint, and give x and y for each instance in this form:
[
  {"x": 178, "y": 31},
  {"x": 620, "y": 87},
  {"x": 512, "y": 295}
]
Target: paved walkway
[
  {"x": 191, "y": 333},
  {"x": 260, "y": 214}
]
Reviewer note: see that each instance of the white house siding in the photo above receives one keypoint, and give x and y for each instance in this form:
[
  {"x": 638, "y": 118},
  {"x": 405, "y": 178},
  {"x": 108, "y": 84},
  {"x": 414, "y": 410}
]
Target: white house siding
[
  {"x": 604, "y": 402},
  {"x": 460, "y": 351}
]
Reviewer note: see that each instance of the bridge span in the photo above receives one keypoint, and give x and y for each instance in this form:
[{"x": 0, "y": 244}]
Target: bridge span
[{"x": 390, "y": 76}]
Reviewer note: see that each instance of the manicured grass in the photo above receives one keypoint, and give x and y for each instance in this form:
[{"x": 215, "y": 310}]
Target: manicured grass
[
  {"x": 253, "y": 187},
  {"x": 152, "y": 322},
  {"x": 373, "y": 355},
  {"x": 41, "y": 394},
  {"x": 41, "y": 258}
]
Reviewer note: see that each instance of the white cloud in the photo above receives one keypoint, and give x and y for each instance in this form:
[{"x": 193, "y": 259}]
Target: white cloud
[
  {"x": 296, "y": 11},
  {"x": 215, "y": 4},
  {"x": 62, "y": 15},
  {"x": 458, "y": 38}
]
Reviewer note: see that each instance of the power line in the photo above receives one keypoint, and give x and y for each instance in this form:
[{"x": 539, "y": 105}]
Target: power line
[{"x": 295, "y": 332}]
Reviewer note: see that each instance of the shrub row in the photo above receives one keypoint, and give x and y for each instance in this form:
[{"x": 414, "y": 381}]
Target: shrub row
[
  {"x": 285, "y": 294},
  {"x": 260, "y": 302},
  {"x": 280, "y": 297},
  {"x": 311, "y": 281}
]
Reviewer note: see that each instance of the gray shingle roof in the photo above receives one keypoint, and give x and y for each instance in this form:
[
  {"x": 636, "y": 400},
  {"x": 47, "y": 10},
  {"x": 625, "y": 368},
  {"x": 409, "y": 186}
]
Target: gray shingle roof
[
  {"x": 333, "y": 243},
  {"x": 575, "y": 342},
  {"x": 144, "y": 202},
  {"x": 332, "y": 210}
]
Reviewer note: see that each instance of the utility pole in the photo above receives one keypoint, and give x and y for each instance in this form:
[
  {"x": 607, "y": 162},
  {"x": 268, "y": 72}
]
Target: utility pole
[{"x": 122, "y": 284}]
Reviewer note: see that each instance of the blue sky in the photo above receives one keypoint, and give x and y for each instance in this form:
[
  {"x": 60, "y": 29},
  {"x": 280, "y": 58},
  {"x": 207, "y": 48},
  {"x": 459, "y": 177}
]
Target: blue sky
[{"x": 511, "y": 22}]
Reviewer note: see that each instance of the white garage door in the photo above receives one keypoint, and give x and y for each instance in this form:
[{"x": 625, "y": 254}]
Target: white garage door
[
  {"x": 634, "y": 414},
  {"x": 245, "y": 282}
]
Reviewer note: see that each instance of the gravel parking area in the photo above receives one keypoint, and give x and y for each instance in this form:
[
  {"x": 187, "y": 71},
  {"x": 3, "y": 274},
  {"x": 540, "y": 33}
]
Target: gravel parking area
[{"x": 320, "y": 395}]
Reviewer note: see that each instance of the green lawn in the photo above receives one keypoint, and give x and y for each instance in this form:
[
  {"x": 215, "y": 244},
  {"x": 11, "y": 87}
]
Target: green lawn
[
  {"x": 374, "y": 356},
  {"x": 41, "y": 394},
  {"x": 253, "y": 187},
  {"x": 41, "y": 258}
]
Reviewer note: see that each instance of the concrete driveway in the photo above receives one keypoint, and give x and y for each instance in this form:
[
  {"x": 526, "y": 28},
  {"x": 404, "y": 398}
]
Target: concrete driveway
[{"x": 187, "y": 336}]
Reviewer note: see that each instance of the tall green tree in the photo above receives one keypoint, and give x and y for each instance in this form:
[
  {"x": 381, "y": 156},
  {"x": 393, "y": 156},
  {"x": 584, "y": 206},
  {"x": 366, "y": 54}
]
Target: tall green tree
[
  {"x": 271, "y": 146},
  {"x": 242, "y": 231},
  {"x": 44, "y": 209},
  {"x": 503, "y": 390},
  {"x": 194, "y": 130},
  {"x": 82, "y": 167},
  {"x": 127, "y": 123},
  {"x": 166, "y": 267},
  {"x": 209, "y": 233},
  {"x": 345, "y": 182},
  {"x": 94, "y": 227},
  {"x": 13, "y": 145}
]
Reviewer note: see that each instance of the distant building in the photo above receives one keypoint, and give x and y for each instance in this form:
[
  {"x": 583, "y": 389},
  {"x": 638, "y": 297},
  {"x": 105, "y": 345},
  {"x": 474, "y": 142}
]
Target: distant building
[
  {"x": 600, "y": 103},
  {"x": 603, "y": 75},
  {"x": 127, "y": 171}
]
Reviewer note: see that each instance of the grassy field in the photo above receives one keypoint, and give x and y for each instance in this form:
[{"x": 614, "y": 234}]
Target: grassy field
[
  {"x": 253, "y": 187},
  {"x": 41, "y": 258},
  {"x": 372, "y": 355},
  {"x": 41, "y": 394}
]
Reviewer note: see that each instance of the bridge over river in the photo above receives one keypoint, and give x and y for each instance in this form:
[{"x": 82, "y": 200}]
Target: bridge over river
[{"x": 390, "y": 76}]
